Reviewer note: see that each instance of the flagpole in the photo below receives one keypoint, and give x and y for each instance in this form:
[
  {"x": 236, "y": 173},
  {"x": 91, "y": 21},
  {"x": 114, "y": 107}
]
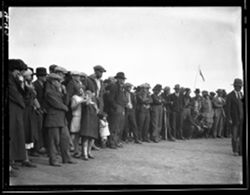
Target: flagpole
[{"x": 196, "y": 77}]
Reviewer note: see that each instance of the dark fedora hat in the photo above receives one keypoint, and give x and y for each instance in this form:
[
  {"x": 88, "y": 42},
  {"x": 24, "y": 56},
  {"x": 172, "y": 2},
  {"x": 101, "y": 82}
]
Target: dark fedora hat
[
  {"x": 120, "y": 75},
  {"x": 197, "y": 91},
  {"x": 237, "y": 82},
  {"x": 41, "y": 71}
]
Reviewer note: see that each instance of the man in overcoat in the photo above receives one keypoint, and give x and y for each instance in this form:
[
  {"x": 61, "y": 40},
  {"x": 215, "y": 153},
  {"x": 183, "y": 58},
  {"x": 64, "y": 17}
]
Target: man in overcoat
[
  {"x": 235, "y": 115},
  {"x": 56, "y": 122},
  {"x": 118, "y": 102}
]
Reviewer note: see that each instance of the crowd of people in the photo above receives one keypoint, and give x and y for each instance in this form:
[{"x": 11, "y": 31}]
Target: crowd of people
[{"x": 69, "y": 114}]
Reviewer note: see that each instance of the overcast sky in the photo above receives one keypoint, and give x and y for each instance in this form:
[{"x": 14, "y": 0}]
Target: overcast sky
[{"x": 162, "y": 45}]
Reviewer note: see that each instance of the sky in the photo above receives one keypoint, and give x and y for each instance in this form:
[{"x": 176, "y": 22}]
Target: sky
[{"x": 157, "y": 45}]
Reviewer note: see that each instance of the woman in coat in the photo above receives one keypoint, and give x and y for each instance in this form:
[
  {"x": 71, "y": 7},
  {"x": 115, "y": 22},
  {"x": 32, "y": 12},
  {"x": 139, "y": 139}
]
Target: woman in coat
[
  {"x": 89, "y": 124},
  {"x": 16, "y": 110}
]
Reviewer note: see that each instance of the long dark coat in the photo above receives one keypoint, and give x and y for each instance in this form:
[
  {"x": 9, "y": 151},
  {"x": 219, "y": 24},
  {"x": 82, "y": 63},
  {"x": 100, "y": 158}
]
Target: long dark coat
[
  {"x": 89, "y": 122},
  {"x": 16, "y": 126},
  {"x": 30, "y": 117},
  {"x": 234, "y": 108}
]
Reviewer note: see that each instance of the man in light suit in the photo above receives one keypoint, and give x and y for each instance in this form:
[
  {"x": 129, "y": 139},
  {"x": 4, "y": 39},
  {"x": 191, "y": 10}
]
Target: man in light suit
[{"x": 235, "y": 115}]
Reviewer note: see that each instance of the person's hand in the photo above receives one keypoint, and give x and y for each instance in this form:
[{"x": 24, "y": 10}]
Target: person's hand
[{"x": 230, "y": 121}]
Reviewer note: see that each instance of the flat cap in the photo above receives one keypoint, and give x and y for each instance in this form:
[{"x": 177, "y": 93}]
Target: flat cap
[
  {"x": 128, "y": 85},
  {"x": 75, "y": 73},
  {"x": 82, "y": 74},
  {"x": 54, "y": 76},
  {"x": 100, "y": 68},
  {"x": 60, "y": 69}
]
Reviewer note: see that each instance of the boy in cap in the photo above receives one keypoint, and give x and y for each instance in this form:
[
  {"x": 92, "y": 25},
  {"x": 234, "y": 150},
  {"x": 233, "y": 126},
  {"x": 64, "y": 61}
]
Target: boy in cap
[{"x": 235, "y": 115}]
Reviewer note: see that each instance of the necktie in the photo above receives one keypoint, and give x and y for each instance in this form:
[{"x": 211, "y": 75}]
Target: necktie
[{"x": 239, "y": 95}]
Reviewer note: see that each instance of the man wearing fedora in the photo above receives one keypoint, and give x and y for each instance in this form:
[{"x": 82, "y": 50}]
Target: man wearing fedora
[
  {"x": 235, "y": 115},
  {"x": 41, "y": 74},
  {"x": 118, "y": 101},
  {"x": 176, "y": 108}
]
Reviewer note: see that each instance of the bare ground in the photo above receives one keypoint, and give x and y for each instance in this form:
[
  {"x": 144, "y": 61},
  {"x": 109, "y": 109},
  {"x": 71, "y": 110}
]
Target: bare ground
[{"x": 196, "y": 161}]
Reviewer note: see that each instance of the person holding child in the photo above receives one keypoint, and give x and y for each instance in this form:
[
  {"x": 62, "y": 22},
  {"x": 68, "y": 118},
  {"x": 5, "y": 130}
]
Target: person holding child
[{"x": 89, "y": 124}]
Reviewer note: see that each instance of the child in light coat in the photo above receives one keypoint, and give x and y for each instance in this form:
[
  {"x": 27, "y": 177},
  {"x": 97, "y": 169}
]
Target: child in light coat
[
  {"x": 103, "y": 129},
  {"x": 76, "y": 107}
]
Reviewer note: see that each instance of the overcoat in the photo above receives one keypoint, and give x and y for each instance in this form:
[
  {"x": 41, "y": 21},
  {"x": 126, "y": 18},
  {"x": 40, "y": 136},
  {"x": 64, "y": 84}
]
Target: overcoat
[{"x": 16, "y": 126}]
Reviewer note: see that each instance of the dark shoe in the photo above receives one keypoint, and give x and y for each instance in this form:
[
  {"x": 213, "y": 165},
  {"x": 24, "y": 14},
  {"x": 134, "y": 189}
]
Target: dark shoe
[
  {"x": 171, "y": 139},
  {"x": 55, "y": 164},
  {"x": 13, "y": 173},
  {"x": 14, "y": 166},
  {"x": 77, "y": 155},
  {"x": 94, "y": 147},
  {"x": 113, "y": 147},
  {"x": 85, "y": 158},
  {"x": 119, "y": 145},
  {"x": 182, "y": 138},
  {"x": 34, "y": 154},
  {"x": 138, "y": 142},
  {"x": 147, "y": 140},
  {"x": 70, "y": 162},
  {"x": 91, "y": 156},
  {"x": 28, "y": 164}
]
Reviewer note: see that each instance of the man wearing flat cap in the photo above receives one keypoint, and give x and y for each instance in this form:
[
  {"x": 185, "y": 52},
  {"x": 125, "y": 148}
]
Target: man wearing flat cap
[
  {"x": 235, "y": 115},
  {"x": 176, "y": 108},
  {"x": 219, "y": 114},
  {"x": 56, "y": 121},
  {"x": 118, "y": 101}
]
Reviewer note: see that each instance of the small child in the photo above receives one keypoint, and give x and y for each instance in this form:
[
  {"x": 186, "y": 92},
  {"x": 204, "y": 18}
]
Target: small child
[{"x": 104, "y": 129}]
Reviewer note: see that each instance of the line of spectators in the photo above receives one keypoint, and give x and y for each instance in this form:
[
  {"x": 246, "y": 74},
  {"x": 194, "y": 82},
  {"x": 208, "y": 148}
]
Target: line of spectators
[{"x": 68, "y": 114}]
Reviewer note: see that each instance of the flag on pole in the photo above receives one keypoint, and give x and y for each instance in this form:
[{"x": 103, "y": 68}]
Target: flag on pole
[{"x": 201, "y": 75}]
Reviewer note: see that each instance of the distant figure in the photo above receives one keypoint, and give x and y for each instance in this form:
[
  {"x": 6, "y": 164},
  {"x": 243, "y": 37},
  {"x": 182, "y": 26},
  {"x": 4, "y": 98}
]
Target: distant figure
[
  {"x": 235, "y": 115},
  {"x": 219, "y": 114}
]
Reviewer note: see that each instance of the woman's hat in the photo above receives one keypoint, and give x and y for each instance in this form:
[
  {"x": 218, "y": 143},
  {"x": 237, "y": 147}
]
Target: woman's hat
[{"x": 17, "y": 64}]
